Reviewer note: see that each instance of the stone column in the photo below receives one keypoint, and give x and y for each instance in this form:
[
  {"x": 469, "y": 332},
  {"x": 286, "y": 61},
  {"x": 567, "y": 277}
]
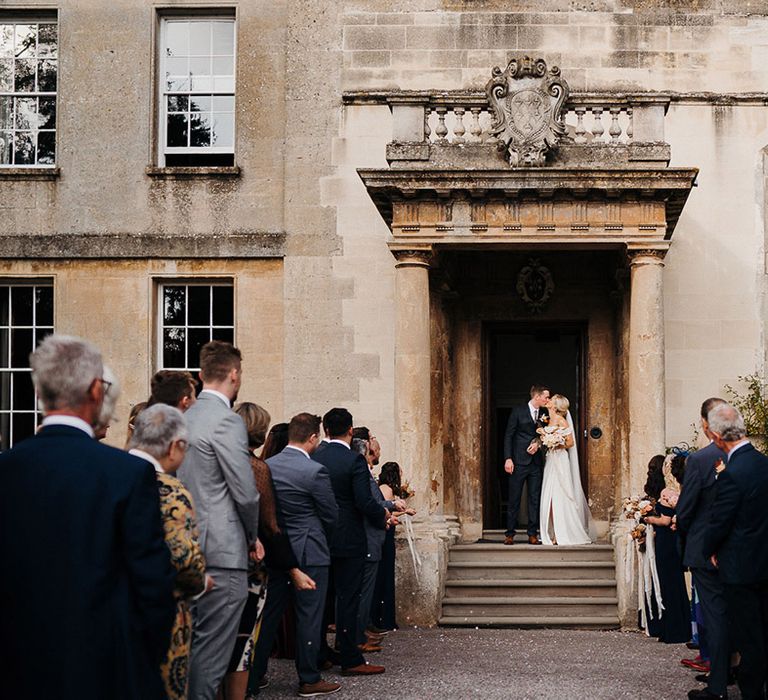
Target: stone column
[{"x": 647, "y": 406}]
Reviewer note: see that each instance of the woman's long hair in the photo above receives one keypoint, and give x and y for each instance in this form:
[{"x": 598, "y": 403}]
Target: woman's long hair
[
  {"x": 390, "y": 476},
  {"x": 277, "y": 439},
  {"x": 654, "y": 484}
]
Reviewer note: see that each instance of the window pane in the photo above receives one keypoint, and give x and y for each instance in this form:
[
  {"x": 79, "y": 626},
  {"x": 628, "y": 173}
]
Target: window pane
[
  {"x": 177, "y": 65},
  {"x": 21, "y": 346},
  {"x": 46, "y": 75},
  {"x": 25, "y": 74},
  {"x": 6, "y": 112},
  {"x": 201, "y": 83},
  {"x": 223, "y": 304},
  {"x": 223, "y": 104},
  {"x": 6, "y": 74},
  {"x": 199, "y": 38},
  {"x": 177, "y": 39},
  {"x": 174, "y": 298},
  {"x": 6, "y": 147},
  {"x": 5, "y": 357},
  {"x": 197, "y": 338},
  {"x": 225, "y": 334},
  {"x": 200, "y": 130},
  {"x": 44, "y": 306},
  {"x": 46, "y": 113},
  {"x": 198, "y": 103},
  {"x": 223, "y": 130},
  {"x": 176, "y": 135},
  {"x": 26, "y": 35},
  {"x": 23, "y": 426},
  {"x": 199, "y": 312},
  {"x": 224, "y": 65},
  {"x": 41, "y": 334},
  {"x": 6, "y": 40},
  {"x": 199, "y": 65},
  {"x": 178, "y": 103},
  {"x": 5, "y": 318},
  {"x": 24, "y": 148},
  {"x": 26, "y": 112},
  {"x": 176, "y": 83},
  {"x": 173, "y": 347},
  {"x": 46, "y": 40},
  {"x": 223, "y": 38},
  {"x": 224, "y": 84},
  {"x": 21, "y": 306},
  {"x": 46, "y": 147},
  {"x": 23, "y": 391}
]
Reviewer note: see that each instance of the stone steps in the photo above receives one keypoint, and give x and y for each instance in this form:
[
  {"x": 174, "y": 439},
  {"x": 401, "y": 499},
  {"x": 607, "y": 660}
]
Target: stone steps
[{"x": 491, "y": 584}]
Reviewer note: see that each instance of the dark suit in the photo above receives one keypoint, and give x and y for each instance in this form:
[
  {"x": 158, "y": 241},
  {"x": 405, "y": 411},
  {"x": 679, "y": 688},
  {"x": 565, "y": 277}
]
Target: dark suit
[
  {"x": 738, "y": 535},
  {"x": 520, "y": 432},
  {"x": 694, "y": 511},
  {"x": 86, "y": 590},
  {"x": 307, "y": 513},
  {"x": 351, "y": 482}
]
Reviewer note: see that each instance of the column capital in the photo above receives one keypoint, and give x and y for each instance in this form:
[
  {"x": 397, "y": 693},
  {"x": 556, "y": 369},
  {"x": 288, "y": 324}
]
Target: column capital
[
  {"x": 413, "y": 257},
  {"x": 646, "y": 256}
]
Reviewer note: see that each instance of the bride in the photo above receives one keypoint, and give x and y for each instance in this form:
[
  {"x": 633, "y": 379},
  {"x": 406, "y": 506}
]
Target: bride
[{"x": 564, "y": 515}]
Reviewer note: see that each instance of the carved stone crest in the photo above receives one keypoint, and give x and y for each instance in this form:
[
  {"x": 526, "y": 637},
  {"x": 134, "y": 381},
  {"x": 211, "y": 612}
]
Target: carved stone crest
[
  {"x": 527, "y": 102},
  {"x": 535, "y": 285}
]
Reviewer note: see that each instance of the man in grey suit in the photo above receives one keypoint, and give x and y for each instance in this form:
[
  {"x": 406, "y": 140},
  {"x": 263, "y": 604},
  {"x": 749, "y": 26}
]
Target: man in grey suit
[
  {"x": 307, "y": 513},
  {"x": 217, "y": 471}
]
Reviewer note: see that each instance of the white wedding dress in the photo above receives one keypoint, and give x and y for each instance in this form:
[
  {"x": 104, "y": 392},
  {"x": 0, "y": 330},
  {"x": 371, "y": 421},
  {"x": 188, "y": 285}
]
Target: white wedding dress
[{"x": 564, "y": 513}]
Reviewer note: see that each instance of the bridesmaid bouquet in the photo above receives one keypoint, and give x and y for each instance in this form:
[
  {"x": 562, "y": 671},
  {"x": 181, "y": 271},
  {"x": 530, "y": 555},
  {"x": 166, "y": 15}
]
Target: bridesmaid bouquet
[{"x": 636, "y": 509}]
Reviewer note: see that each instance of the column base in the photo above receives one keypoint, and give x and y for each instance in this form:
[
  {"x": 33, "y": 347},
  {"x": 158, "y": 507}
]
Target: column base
[{"x": 626, "y": 583}]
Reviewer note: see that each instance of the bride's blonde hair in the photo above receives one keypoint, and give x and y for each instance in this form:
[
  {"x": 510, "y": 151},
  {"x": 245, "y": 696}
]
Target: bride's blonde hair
[{"x": 561, "y": 404}]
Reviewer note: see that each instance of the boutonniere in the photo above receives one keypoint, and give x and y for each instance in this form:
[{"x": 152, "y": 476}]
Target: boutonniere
[
  {"x": 544, "y": 419},
  {"x": 719, "y": 466}
]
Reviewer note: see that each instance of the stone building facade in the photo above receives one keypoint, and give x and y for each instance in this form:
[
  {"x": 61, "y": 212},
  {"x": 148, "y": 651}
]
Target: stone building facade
[{"x": 316, "y": 181}]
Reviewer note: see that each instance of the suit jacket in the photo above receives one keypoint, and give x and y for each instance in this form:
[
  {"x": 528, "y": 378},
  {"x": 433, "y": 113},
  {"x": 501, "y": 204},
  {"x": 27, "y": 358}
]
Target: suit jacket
[
  {"x": 351, "y": 481},
  {"x": 217, "y": 471},
  {"x": 694, "y": 508},
  {"x": 306, "y": 507},
  {"x": 521, "y": 430},
  {"x": 375, "y": 536},
  {"x": 86, "y": 587},
  {"x": 738, "y": 528}
]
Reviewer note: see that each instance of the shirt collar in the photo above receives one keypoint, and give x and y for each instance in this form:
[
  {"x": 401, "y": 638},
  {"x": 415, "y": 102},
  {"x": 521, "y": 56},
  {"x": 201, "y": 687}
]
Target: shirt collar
[
  {"x": 298, "y": 449},
  {"x": 70, "y": 422},
  {"x": 737, "y": 446},
  {"x": 340, "y": 442},
  {"x": 149, "y": 458},
  {"x": 218, "y": 394}
]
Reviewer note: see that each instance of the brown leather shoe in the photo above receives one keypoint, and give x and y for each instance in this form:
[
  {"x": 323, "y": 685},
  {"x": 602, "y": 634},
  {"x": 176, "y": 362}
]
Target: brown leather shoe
[
  {"x": 362, "y": 670},
  {"x": 369, "y": 648},
  {"x": 509, "y": 539},
  {"x": 311, "y": 690},
  {"x": 375, "y": 639},
  {"x": 533, "y": 539}
]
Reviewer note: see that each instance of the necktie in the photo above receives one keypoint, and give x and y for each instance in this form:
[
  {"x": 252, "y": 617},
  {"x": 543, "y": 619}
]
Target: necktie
[{"x": 535, "y": 414}]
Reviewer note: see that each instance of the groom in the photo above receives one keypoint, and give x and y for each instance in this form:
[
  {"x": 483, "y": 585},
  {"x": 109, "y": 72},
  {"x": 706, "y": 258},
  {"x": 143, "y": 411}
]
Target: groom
[{"x": 524, "y": 461}]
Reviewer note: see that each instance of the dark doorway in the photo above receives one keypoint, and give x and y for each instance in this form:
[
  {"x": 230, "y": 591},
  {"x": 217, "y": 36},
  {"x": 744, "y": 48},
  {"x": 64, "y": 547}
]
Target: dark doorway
[{"x": 516, "y": 356}]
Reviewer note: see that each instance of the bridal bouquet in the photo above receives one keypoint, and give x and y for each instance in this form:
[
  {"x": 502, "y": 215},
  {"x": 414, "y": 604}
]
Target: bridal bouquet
[
  {"x": 551, "y": 439},
  {"x": 636, "y": 509}
]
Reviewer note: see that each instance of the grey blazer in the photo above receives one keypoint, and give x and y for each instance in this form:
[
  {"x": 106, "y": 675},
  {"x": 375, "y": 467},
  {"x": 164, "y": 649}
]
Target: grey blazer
[
  {"x": 306, "y": 506},
  {"x": 375, "y": 536},
  {"x": 217, "y": 471}
]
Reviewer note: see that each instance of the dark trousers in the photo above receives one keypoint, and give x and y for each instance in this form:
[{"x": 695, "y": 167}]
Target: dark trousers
[
  {"x": 533, "y": 474},
  {"x": 308, "y": 606},
  {"x": 715, "y": 613},
  {"x": 348, "y": 580},
  {"x": 748, "y": 610},
  {"x": 370, "y": 572}
]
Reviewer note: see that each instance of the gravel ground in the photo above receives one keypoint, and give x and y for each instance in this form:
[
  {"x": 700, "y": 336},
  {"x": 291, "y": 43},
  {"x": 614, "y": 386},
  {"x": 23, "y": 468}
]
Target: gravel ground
[{"x": 481, "y": 663}]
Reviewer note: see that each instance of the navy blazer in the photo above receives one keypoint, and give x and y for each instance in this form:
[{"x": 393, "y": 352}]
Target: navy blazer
[
  {"x": 375, "y": 536},
  {"x": 694, "y": 508},
  {"x": 305, "y": 504},
  {"x": 86, "y": 587},
  {"x": 738, "y": 528},
  {"x": 351, "y": 481},
  {"x": 520, "y": 432}
]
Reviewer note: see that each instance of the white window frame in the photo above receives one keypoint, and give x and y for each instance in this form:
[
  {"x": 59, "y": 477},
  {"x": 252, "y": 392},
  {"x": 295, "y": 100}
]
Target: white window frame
[
  {"x": 15, "y": 19},
  {"x": 163, "y": 93},
  {"x": 16, "y": 283},
  {"x": 161, "y": 325}
]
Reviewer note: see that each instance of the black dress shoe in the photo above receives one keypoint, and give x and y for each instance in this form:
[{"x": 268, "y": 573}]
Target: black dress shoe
[
  {"x": 704, "y": 694},
  {"x": 702, "y": 678}
]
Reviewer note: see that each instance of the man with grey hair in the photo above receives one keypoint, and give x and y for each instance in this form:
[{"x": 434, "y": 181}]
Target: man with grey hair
[
  {"x": 80, "y": 529},
  {"x": 737, "y": 542}
]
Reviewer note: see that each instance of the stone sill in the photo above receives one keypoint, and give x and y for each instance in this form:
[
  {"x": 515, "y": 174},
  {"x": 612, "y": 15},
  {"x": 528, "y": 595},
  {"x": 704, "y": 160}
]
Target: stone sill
[
  {"x": 202, "y": 173},
  {"x": 29, "y": 173}
]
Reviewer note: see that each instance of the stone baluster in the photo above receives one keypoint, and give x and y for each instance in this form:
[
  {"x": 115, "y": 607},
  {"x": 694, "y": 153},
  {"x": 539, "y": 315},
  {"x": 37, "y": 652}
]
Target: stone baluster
[
  {"x": 458, "y": 129},
  {"x": 441, "y": 130},
  {"x": 427, "y": 128},
  {"x": 630, "y": 124},
  {"x": 474, "y": 128},
  {"x": 615, "y": 129},
  {"x": 580, "y": 130},
  {"x": 597, "y": 126}
]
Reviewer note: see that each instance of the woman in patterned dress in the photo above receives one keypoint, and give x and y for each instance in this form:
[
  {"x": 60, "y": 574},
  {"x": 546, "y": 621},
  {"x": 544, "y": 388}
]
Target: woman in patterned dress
[{"x": 160, "y": 437}]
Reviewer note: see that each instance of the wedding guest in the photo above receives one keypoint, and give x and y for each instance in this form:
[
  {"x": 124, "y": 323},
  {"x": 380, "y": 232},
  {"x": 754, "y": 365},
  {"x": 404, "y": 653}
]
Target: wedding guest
[
  {"x": 108, "y": 406},
  {"x": 217, "y": 471},
  {"x": 86, "y": 595},
  {"x": 306, "y": 512},
  {"x": 160, "y": 438},
  {"x": 174, "y": 388},
  {"x": 673, "y": 625},
  {"x": 694, "y": 514},
  {"x": 135, "y": 410},
  {"x": 736, "y": 539}
]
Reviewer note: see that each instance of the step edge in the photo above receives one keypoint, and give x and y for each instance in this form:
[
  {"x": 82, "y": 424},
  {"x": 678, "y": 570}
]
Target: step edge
[{"x": 531, "y": 600}]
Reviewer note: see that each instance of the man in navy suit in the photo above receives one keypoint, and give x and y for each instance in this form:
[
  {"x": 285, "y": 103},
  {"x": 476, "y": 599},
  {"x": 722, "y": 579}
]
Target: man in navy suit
[
  {"x": 86, "y": 593},
  {"x": 351, "y": 483},
  {"x": 307, "y": 513},
  {"x": 737, "y": 539},
  {"x": 694, "y": 512},
  {"x": 524, "y": 461}
]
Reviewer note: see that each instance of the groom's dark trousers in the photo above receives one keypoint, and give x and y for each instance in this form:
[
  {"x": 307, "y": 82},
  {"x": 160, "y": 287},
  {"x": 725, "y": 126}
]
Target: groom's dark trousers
[
  {"x": 520, "y": 432},
  {"x": 694, "y": 512}
]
